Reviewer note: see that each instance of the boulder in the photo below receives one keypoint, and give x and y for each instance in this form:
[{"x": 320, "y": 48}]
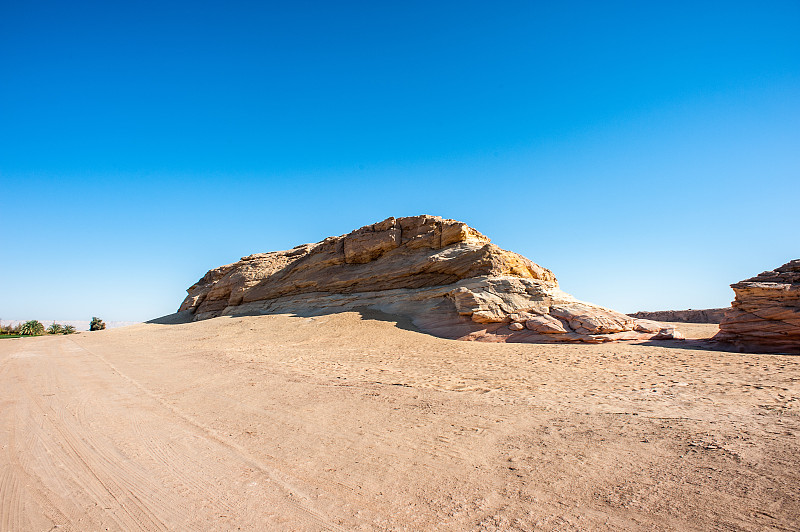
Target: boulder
[
  {"x": 668, "y": 333},
  {"x": 443, "y": 274},
  {"x": 765, "y": 314},
  {"x": 545, "y": 324},
  {"x": 648, "y": 326}
]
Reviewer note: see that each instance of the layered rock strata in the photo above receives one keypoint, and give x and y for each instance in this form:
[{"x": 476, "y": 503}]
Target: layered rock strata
[
  {"x": 708, "y": 315},
  {"x": 444, "y": 275},
  {"x": 765, "y": 315}
]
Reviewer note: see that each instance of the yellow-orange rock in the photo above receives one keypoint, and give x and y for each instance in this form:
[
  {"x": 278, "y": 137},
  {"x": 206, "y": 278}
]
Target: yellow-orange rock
[
  {"x": 446, "y": 276},
  {"x": 765, "y": 316}
]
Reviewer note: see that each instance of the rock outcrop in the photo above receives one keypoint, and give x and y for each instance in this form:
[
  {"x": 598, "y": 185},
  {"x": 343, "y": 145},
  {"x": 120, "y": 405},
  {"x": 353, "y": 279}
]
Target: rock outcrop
[
  {"x": 708, "y": 315},
  {"x": 765, "y": 316},
  {"x": 444, "y": 275}
]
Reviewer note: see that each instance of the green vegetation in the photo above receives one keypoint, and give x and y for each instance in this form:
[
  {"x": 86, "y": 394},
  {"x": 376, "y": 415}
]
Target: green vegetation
[
  {"x": 96, "y": 324},
  {"x": 32, "y": 328},
  {"x": 57, "y": 328},
  {"x": 10, "y": 331}
]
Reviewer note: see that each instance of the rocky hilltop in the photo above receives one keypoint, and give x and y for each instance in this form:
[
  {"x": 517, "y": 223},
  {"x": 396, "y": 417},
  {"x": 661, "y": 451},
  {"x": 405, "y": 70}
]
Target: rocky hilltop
[
  {"x": 448, "y": 278},
  {"x": 765, "y": 315},
  {"x": 708, "y": 315}
]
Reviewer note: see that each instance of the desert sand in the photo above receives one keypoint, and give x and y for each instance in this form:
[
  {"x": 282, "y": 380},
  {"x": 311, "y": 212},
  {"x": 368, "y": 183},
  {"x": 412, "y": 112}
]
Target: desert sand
[{"x": 354, "y": 422}]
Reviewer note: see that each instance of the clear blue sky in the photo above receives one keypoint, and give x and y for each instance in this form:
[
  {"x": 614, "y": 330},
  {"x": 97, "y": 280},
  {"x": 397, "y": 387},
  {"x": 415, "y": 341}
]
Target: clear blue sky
[{"x": 648, "y": 153}]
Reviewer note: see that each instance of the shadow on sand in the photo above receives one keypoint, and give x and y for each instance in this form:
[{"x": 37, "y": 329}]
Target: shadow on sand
[
  {"x": 401, "y": 322},
  {"x": 704, "y": 344},
  {"x": 709, "y": 344},
  {"x": 176, "y": 318},
  {"x": 405, "y": 323}
]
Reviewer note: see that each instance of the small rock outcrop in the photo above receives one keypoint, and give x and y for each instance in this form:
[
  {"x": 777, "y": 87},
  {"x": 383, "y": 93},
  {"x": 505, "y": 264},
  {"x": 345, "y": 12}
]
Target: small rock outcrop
[
  {"x": 708, "y": 315},
  {"x": 765, "y": 316},
  {"x": 444, "y": 275}
]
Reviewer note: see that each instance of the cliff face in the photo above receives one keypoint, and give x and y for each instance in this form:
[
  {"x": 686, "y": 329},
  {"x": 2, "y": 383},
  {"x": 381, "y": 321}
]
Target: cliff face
[
  {"x": 708, "y": 315},
  {"x": 765, "y": 315},
  {"x": 446, "y": 276}
]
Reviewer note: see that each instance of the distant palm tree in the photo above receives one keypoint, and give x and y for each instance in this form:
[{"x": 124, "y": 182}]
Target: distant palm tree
[
  {"x": 55, "y": 328},
  {"x": 32, "y": 328},
  {"x": 96, "y": 324},
  {"x": 68, "y": 329}
]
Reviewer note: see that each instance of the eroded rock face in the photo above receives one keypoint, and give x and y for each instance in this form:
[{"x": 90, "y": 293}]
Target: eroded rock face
[
  {"x": 765, "y": 316},
  {"x": 708, "y": 315},
  {"x": 446, "y": 276}
]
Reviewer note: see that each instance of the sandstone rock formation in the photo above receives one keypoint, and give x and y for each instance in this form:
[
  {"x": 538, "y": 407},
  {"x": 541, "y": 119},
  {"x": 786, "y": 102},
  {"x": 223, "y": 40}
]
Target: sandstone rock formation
[
  {"x": 444, "y": 275},
  {"x": 765, "y": 316},
  {"x": 708, "y": 315}
]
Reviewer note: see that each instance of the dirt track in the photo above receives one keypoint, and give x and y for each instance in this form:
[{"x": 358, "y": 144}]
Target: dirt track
[{"x": 341, "y": 423}]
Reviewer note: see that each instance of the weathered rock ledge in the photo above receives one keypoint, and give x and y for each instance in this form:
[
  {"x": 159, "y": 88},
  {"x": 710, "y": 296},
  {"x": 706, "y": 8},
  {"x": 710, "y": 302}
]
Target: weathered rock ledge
[
  {"x": 708, "y": 315},
  {"x": 444, "y": 275},
  {"x": 765, "y": 315}
]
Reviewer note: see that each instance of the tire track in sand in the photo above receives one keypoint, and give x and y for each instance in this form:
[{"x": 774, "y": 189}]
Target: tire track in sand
[
  {"x": 59, "y": 450},
  {"x": 292, "y": 493},
  {"x": 87, "y": 451}
]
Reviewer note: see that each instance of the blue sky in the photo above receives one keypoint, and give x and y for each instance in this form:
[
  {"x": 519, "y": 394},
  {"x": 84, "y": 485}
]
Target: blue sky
[{"x": 648, "y": 154}]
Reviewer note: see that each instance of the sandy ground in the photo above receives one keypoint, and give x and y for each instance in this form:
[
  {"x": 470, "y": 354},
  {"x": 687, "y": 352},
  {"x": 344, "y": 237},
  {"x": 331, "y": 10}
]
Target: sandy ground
[{"x": 346, "y": 423}]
